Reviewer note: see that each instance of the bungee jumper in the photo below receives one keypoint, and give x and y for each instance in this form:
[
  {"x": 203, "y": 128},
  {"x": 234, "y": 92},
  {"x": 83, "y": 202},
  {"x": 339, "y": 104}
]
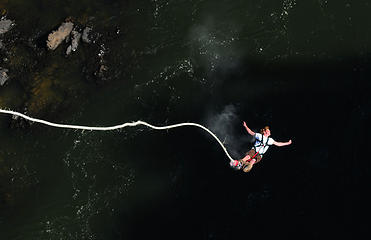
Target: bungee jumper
[
  {"x": 261, "y": 145},
  {"x": 262, "y": 139}
]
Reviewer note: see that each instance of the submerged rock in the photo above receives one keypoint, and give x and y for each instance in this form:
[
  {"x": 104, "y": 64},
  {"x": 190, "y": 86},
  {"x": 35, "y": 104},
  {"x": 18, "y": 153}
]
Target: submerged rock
[
  {"x": 5, "y": 25},
  {"x": 55, "y": 38},
  {"x": 85, "y": 35},
  {"x": 75, "y": 39},
  {"x": 3, "y": 76},
  {"x": 102, "y": 72},
  {"x": 46, "y": 93}
]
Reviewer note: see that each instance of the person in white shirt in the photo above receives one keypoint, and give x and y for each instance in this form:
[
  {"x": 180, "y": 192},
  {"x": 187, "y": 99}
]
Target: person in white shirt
[{"x": 261, "y": 145}]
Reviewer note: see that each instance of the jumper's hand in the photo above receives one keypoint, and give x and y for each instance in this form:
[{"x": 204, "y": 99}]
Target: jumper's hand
[
  {"x": 289, "y": 142},
  {"x": 244, "y": 124}
]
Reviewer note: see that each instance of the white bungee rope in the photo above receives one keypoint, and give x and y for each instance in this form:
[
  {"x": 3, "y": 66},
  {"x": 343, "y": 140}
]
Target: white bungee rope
[{"x": 129, "y": 124}]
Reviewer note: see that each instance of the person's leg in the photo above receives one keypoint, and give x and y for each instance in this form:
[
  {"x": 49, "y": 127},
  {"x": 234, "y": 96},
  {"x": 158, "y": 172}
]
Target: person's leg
[
  {"x": 249, "y": 165},
  {"x": 246, "y": 158},
  {"x": 234, "y": 163}
]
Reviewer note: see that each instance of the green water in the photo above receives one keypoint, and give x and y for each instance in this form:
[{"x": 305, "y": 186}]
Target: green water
[{"x": 168, "y": 61}]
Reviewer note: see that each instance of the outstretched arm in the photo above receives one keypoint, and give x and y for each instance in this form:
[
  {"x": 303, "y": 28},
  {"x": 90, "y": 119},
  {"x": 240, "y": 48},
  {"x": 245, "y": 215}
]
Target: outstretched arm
[
  {"x": 248, "y": 129},
  {"x": 280, "y": 144}
]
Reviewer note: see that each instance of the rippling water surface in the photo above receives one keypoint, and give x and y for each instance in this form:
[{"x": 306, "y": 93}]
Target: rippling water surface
[{"x": 301, "y": 67}]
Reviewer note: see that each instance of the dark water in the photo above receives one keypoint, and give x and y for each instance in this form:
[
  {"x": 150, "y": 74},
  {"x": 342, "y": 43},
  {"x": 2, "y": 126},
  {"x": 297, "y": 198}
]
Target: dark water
[{"x": 302, "y": 67}]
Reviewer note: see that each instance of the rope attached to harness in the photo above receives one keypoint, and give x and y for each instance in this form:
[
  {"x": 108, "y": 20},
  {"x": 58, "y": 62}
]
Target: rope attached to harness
[
  {"x": 256, "y": 153},
  {"x": 129, "y": 124}
]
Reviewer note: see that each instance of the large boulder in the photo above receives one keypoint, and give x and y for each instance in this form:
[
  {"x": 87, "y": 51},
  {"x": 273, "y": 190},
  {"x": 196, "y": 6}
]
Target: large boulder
[
  {"x": 86, "y": 35},
  {"x": 57, "y": 37},
  {"x": 75, "y": 39},
  {"x": 5, "y": 25},
  {"x": 3, "y": 76}
]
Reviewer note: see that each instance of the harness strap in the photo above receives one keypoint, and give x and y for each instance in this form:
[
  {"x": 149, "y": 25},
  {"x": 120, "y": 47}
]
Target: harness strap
[
  {"x": 266, "y": 144},
  {"x": 261, "y": 144},
  {"x": 256, "y": 153}
]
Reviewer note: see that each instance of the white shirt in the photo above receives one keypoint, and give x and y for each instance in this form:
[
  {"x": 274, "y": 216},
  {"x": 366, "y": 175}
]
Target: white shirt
[{"x": 262, "y": 149}]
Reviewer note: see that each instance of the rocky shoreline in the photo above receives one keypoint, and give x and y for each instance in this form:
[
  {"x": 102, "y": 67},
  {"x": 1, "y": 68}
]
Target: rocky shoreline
[
  {"x": 31, "y": 61},
  {"x": 70, "y": 34},
  {"x": 5, "y": 26},
  {"x": 35, "y": 74}
]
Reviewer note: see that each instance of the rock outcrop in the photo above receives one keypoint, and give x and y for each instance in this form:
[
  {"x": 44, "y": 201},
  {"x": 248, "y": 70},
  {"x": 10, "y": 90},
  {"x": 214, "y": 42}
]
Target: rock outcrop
[
  {"x": 57, "y": 37},
  {"x": 3, "y": 76},
  {"x": 5, "y": 25},
  {"x": 75, "y": 39},
  {"x": 85, "y": 35}
]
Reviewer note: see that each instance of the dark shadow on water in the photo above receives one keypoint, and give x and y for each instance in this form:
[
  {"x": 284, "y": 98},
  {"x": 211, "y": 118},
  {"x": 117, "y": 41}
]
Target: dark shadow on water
[{"x": 299, "y": 190}]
